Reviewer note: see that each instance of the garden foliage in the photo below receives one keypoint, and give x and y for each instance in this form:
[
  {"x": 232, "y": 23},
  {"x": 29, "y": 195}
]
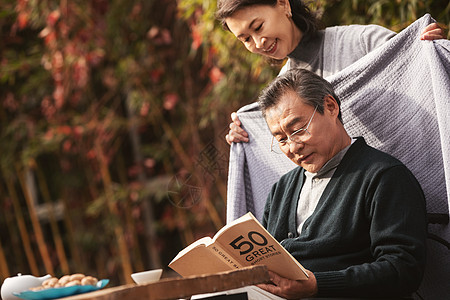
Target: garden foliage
[{"x": 112, "y": 123}]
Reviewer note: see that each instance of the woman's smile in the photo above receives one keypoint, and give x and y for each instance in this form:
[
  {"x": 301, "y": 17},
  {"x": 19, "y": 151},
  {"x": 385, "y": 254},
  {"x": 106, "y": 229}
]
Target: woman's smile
[{"x": 272, "y": 47}]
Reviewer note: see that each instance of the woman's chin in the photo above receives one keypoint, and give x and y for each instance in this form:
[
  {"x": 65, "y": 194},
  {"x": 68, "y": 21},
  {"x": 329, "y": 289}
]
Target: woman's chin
[{"x": 277, "y": 55}]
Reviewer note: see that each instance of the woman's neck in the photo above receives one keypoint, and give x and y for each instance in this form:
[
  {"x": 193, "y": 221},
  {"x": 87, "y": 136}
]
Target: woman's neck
[{"x": 297, "y": 34}]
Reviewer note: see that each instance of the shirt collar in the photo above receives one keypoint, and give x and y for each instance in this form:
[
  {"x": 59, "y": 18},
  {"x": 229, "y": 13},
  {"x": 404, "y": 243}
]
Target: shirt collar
[{"x": 330, "y": 165}]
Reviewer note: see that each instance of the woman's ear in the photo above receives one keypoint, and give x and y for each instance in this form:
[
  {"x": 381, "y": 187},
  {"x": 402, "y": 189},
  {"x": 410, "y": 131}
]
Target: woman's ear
[{"x": 286, "y": 6}]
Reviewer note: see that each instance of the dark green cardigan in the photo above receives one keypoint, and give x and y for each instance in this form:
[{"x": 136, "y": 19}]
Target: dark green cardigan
[{"x": 366, "y": 237}]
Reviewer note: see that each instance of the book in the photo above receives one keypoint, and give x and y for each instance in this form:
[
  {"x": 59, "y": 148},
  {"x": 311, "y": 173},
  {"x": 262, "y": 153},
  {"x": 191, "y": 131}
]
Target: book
[
  {"x": 252, "y": 292},
  {"x": 241, "y": 243}
]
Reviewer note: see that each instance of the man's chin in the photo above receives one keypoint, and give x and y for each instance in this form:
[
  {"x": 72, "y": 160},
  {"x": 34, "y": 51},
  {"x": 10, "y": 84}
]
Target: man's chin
[{"x": 311, "y": 168}]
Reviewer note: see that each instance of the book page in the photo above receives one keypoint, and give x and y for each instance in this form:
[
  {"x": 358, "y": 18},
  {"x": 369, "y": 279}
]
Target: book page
[
  {"x": 224, "y": 256},
  {"x": 198, "y": 260},
  {"x": 205, "y": 241}
]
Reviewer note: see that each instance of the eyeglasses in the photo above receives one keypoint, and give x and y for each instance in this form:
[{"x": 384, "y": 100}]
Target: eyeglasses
[{"x": 298, "y": 136}]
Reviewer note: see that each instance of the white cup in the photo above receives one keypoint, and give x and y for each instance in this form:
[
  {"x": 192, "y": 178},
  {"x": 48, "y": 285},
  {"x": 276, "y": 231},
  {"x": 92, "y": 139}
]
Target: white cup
[{"x": 147, "y": 276}]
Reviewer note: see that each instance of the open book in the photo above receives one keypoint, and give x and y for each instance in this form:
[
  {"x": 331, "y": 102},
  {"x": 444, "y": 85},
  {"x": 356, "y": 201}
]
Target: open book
[{"x": 241, "y": 243}]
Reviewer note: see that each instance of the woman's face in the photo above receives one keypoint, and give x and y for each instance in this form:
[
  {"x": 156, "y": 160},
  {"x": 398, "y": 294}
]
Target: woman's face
[{"x": 266, "y": 30}]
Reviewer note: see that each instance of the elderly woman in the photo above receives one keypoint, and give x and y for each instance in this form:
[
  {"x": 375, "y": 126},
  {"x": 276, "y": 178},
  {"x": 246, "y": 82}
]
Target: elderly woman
[{"x": 278, "y": 29}]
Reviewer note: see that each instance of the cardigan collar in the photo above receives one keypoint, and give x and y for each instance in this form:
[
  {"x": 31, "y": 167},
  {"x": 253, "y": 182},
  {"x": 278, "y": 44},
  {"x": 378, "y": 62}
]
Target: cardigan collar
[
  {"x": 331, "y": 164},
  {"x": 355, "y": 146}
]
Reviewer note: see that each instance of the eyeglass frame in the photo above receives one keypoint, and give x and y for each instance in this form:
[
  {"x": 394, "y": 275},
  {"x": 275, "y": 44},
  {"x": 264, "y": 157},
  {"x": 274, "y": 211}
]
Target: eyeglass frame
[{"x": 305, "y": 129}]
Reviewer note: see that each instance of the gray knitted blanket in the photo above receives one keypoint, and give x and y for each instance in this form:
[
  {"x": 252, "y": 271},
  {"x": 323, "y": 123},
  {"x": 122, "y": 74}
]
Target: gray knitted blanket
[{"x": 398, "y": 98}]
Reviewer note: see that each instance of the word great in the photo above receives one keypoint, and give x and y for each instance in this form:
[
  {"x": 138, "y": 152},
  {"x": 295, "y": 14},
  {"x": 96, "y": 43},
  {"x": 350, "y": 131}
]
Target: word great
[{"x": 262, "y": 253}]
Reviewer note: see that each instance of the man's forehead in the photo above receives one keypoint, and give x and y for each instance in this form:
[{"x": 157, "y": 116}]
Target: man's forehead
[
  {"x": 289, "y": 104},
  {"x": 284, "y": 120},
  {"x": 276, "y": 112},
  {"x": 286, "y": 101}
]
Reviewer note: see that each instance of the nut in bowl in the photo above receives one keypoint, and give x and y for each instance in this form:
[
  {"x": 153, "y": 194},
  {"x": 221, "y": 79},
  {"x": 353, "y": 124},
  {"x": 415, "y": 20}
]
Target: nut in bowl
[{"x": 147, "y": 276}]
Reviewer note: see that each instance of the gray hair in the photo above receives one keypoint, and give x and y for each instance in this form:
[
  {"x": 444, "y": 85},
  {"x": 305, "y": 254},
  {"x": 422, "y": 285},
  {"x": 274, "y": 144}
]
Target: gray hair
[{"x": 310, "y": 87}]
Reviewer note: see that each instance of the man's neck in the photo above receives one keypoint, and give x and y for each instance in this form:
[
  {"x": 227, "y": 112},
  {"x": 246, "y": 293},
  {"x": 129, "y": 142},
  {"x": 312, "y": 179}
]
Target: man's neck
[
  {"x": 334, "y": 160},
  {"x": 343, "y": 140}
]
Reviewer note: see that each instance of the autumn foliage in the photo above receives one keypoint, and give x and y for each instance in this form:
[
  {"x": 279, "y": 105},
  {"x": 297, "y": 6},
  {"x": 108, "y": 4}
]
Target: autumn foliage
[{"x": 112, "y": 123}]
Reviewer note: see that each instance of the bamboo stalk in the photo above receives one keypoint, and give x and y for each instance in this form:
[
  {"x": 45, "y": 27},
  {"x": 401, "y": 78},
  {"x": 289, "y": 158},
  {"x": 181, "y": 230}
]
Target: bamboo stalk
[
  {"x": 101, "y": 263},
  {"x": 134, "y": 240},
  {"x": 42, "y": 246},
  {"x": 221, "y": 183},
  {"x": 3, "y": 263},
  {"x": 209, "y": 205},
  {"x": 131, "y": 224},
  {"x": 193, "y": 100},
  {"x": 22, "y": 227},
  {"x": 17, "y": 260},
  {"x": 186, "y": 161},
  {"x": 70, "y": 234},
  {"x": 118, "y": 231},
  {"x": 147, "y": 208},
  {"x": 14, "y": 242},
  {"x": 53, "y": 223},
  {"x": 188, "y": 235}
]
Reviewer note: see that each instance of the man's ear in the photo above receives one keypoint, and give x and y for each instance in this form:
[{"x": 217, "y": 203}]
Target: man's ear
[{"x": 330, "y": 105}]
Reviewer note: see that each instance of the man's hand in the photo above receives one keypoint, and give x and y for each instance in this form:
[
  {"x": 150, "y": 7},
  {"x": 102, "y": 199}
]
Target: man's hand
[
  {"x": 236, "y": 133},
  {"x": 434, "y": 31},
  {"x": 291, "y": 289}
]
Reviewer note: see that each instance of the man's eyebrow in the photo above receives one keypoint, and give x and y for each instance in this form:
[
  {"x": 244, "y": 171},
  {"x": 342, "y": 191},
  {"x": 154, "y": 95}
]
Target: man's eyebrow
[
  {"x": 249, "y": 27},
  {"x": 291, "y": 123},
  {"x": 294, "y": 121}
]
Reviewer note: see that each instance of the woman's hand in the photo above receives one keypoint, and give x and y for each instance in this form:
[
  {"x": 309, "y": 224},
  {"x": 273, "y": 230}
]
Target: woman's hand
[
  {"x": 433, "y": 32},
  {"x": 236, "y": 133},
  {"x": 291, "y": 289}
]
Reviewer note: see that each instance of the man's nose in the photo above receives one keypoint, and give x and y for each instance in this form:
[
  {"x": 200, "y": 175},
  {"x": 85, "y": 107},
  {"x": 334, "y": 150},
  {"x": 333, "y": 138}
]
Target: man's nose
[{"x": 295, "y": 147}]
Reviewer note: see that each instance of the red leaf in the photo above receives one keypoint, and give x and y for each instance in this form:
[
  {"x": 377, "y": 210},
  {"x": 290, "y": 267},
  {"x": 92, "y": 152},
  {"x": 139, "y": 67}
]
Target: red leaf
[
  {"x": 22, "y": 20},
  {"x": 215, "y": 75},
  {"x": 53, "y": 17},
  {"x": 145, "y": 108},
  {"x": 170, "y": 101},
  {"x": 196, "y": 38}
]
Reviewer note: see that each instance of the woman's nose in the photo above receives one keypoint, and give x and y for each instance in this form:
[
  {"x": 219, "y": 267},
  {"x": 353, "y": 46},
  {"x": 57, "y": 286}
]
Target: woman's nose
[{"x": 259, "y": 42}]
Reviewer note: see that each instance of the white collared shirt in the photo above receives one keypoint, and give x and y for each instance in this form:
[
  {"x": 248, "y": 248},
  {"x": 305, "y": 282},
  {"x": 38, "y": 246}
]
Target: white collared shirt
[{"x": 314, "y": 185}]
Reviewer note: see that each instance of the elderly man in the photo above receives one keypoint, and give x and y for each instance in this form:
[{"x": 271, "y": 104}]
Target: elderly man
[{"x": 352, "y": 215}]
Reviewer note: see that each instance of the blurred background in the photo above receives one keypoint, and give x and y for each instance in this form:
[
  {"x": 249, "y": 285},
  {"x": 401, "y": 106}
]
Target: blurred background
[{"x": 113, "y": 116}]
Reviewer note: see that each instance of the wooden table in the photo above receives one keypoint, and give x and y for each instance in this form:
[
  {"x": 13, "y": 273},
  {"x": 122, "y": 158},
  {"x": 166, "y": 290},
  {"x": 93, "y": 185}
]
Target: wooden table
[{"x": 176, "y": 288}]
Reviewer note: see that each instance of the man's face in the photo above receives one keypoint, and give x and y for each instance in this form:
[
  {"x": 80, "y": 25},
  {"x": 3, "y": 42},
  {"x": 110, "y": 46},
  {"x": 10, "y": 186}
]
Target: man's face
[{"x": 292, "y": 114}]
